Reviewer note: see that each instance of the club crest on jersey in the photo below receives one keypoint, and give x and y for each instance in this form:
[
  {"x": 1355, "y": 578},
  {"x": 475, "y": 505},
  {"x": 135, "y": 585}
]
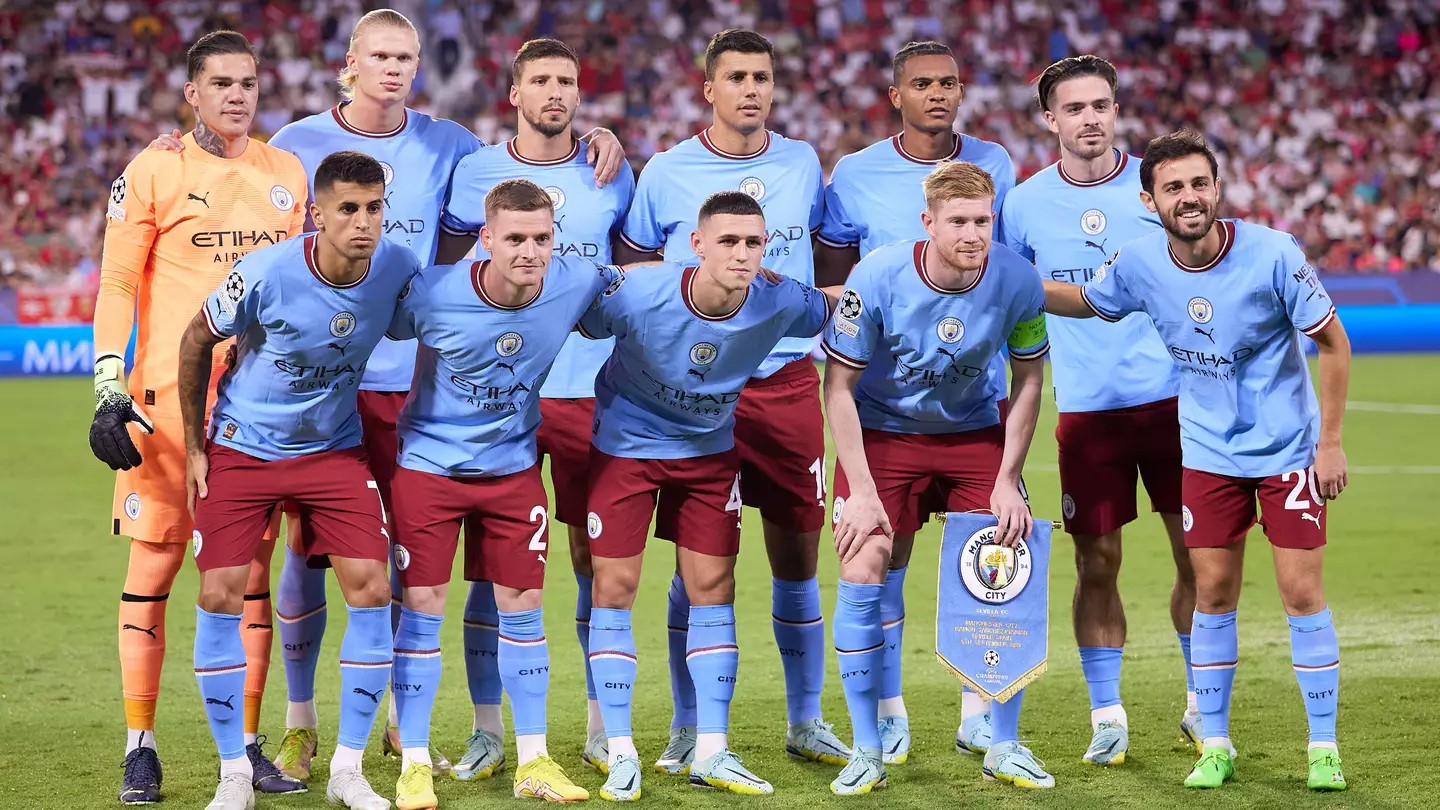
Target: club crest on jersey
[
  {"x": 343, "y": 324},
  {"x": 703, "y": 354},
  {"x": 1067, "y": 507},
  {"x": 557, "y": 196},
  {"x": 1200, "y": 310},
  {"x": 508, "y": 344},
  {"x": 838, "y": 510},
  {"x": 402, "y": 557},
  {"x": 132, "y": 506},
  {"x": 388, "y": 171},
  {"x": 1093, "y": 221},
  {"x": 197, "y": 542},
  {"x": 282, "y": 198},
  {"x": 1187, "y": 520},
  {"x": 593, "y": 527},
  {"x": 950, "y": 330},
  {"x": 754, "y": 187},
  {"x": 991, "y": 572},
  {"x": 850, "y": 305}
]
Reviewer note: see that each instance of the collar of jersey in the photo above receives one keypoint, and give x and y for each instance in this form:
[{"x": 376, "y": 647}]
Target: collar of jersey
[
  {"x": 354, "y": 130},
  {"x": 515, "y": 153},
  {"x": 1120, "y": 161},
  {"x": 900, "y": 147},
  {"x": 708, "y": 144},
  {"x": 1227, "y": 241},
  {"x": 313, "y": 262},
  {"x": 925, "y": 273},
  {"x": 686, "y": 280},
  {"x": 477, "y": 272}
]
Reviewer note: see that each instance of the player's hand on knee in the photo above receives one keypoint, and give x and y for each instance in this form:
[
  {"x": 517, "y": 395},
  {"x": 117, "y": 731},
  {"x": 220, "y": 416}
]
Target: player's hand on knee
[
  {"x": 861, "y": 514},
  {"x": 1012, "y": 513},
  {"x": 605, "y": 153},
  {"x": 171, "y": 142},
  {"x": 197, "y": 469},
  {"x": 114, "y": 409},
  {"x": 1331, "y": 472}
]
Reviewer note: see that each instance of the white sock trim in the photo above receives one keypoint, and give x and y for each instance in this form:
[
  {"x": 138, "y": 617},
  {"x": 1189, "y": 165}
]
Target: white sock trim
[
  {"x": 420, "y": 755},
  {"x": 1112, "y": 714},
  {"x": 240, "y": 765},
  {"x": 709, "y": 744},
  {"x": 622, "y": 747},
  {"x": 971, "y": 704},
  {"x": 594, "y": 722},
  {"x": 1333, "y": 746},
  {"x": 345, "y": 758},
  {"x": 488, "y": 718},
  {"x": 136, "y": 738},
  {"x": 301, "y": 714},
  {"x": 529, "y": 747},
  {"x": 892, "y": 707}
]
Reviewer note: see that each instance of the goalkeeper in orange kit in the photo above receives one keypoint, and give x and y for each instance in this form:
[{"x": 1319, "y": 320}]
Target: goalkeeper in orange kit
[{"x": 176, "y": 223}]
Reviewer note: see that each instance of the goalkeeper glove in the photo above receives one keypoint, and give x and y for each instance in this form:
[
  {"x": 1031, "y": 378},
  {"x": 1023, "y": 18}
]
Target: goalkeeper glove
[{"x": 109, "y": 438}]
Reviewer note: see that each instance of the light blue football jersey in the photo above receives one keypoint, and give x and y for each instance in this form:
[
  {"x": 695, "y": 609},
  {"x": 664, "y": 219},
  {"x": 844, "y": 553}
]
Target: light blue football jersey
[
  {"x": 670, "y": 388},
  {"x": 475, "y": 404},
  {"x": 1246, "y": 405},
  {"x": 926, "y": 350},
  {"x": 1070, "y": 228},
  {"x": 875, "y": 198},
  {"x": 418, "y": 159},
  {"x": 586, "y": 219},
  {"x": 784, "y": 176},
  {"x": 302, "y": 345}
]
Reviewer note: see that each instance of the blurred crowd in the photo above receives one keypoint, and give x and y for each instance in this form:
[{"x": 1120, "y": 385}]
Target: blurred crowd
[{"x": 1326, "y": 113}]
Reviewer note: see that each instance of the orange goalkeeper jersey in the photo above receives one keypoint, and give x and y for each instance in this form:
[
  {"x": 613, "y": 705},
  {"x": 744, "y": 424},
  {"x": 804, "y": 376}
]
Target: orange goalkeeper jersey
[{"x": 176, "y": 223}]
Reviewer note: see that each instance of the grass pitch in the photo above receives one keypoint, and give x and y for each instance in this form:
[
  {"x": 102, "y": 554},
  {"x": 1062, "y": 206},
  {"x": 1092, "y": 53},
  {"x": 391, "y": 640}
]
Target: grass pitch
[{"x": 63, "y": 723}]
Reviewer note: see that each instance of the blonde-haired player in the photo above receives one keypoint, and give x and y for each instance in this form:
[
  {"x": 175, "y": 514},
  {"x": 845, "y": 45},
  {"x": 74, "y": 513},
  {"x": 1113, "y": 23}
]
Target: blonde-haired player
[{"x": 176, "y": 225}]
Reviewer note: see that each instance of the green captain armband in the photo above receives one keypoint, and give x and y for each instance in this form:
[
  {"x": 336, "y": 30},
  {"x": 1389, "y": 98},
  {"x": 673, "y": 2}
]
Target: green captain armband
[{"x": 1029, "y": 338}]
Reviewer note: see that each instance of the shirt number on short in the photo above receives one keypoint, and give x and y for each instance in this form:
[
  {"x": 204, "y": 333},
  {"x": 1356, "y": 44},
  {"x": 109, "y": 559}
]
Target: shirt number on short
[
  {"x": 1294, "y": 501},
  {"x": 818, "y": 469},
  {"x": 537, "y": 540},
  {"x": 384, "y": 519}
]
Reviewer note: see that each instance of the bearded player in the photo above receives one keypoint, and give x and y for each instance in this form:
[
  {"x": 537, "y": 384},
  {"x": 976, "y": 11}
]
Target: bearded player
[{"x": 176, "y": 224}]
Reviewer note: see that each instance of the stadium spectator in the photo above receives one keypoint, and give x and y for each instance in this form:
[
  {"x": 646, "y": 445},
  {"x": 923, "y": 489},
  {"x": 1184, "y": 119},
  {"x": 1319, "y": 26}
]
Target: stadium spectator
[{"x": 1325, "y": 113}]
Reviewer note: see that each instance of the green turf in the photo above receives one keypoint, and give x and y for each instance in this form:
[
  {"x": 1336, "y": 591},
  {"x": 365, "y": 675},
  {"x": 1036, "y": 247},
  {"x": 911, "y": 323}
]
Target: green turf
[{"x": 62, "y": 720}]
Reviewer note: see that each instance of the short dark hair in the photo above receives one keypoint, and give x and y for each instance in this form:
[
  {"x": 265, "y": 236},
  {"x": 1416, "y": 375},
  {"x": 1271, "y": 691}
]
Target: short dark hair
[
  {"x": 543, "y": 48},
  {"x": 1179, "y": 144},
  {"x": 729, "y": 202},
  {"x": 217, "y": 43},
  {"x": 913, "y": 49},
  {"x": 737, "y": 40},
  {"x": 348, "y": 167},
  {"x": 1073, "y": 67},
  {"x": 516, "y": 195}
]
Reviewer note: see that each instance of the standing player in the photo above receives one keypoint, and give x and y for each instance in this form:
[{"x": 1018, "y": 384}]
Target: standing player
[
  {"x": 490, "y": 331},
  {"x": 1227, "y": 297},
  {"x": 909, "y": 403},
  {"x": 1115, "y": 384},
  {"x": 306, "y": 315},
  {"x": 687, "y": 340},
  {"x": 779, "y": 430},
  {"x": 874, "y": 198},
  {"x": 546, "y": 93},
  {"x": 176, "y": 224}
]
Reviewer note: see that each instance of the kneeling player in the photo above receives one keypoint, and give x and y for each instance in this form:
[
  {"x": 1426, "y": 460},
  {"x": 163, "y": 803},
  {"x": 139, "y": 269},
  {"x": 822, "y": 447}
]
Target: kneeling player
[
  {"x": 306, "y": 314},
  {"x": 1227, "y": 298},
  {"x": 490, "y": 331},
  {"x": 909, "y": 405},
  {"x": 687, "y": 339}
]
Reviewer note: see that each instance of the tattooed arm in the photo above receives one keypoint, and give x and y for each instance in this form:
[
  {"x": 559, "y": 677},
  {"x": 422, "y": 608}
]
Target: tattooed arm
[{"x": 197, "y": 347}]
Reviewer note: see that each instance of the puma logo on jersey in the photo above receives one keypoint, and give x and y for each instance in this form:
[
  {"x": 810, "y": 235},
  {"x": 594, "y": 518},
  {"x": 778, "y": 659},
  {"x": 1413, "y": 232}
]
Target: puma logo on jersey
[
  {"x": 1315, "y": 518},
  {"x": 1100, "y": 247},
  {"x": 200, "y": 200},
  {"x": 339, "y": 347},
  {"x": 1210, "y": 335},
  {"x": 507, "y": 367},
  {"x": 698, "y": 373}
]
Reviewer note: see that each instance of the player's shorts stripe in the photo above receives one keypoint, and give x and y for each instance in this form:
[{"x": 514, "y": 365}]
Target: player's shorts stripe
[
  {"x": 307, "y": 614},
  {"x": 481, "y": 625},
  {"x": 435, "y": 653},
  {"x": 839, "y": 356},
  {"x": 256, "y": 597},
  {"x": 207, "y": 671},
  {"x": 832, "y": 243},
  {"x": 612, "y": 654},
  {"x": 892, "y": 623},
  {"x": 1216, "y": 665},
  {"x": 715, "y": 650},
  {"x": 523, "y": 642},
  {"x": 1100, "y": 313},
  {"x": 366, "y": 664},
  {"x": 806, "y": 623},
  {"x": 636, "y": 245},
  {"x": 1320, "y": 324},
  {"x": 135, "y": 597},
  {"x": 872, "y": 648},
  {"x": 1320, "y": 668},
  {"x": 210, "y": 323},
  {"x": 1040, "y": 351}
]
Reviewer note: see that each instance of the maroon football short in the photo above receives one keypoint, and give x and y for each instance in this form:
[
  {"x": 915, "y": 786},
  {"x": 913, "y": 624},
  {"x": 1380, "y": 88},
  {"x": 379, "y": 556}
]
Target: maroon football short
[
  {"x": 506, "y": 527},
  {"x": 378, "y": 412},
  {"x": 564, "y": 436},
  {"x": 927, "y": 500},
  {"x": 1103, "y": 453},
  {"x": 337, "y": 500},
  {"x": 695, "y": 503},
  {"x": 780, "y": 436},
  {"x": 962, "y": 466},
  {"x": 1220, "y": 509}
]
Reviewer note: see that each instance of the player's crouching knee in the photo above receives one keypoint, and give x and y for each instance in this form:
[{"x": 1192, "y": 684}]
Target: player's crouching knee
[
  {"x": 869, "y": 566},
  {"x": 372, "y": 592}
]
